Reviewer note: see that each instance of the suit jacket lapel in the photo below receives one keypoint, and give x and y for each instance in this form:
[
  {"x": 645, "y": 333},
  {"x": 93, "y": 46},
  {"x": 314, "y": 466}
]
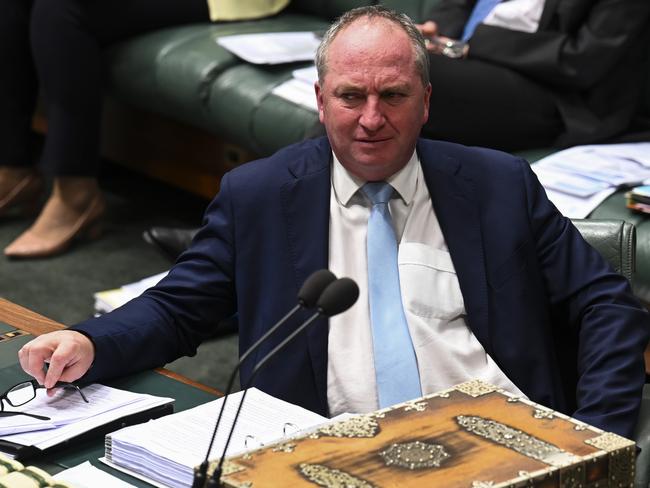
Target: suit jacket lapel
[
  {"x": 305, "y": 202},
  {"x": 453, "y": 198}
]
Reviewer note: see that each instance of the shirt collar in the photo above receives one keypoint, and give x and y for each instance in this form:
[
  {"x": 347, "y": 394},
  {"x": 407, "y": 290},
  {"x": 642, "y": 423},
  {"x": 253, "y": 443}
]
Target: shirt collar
[{"x": 346, "y": 185}]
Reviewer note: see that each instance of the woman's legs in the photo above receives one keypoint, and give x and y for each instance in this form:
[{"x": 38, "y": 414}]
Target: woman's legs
[
  {"x": 19, "y": 182},
  {"x": 18, "y": 87},
  {"x": 68, "y": 39}
]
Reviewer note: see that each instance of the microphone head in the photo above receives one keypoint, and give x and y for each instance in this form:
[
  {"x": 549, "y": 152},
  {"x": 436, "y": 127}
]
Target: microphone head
[
  {"x": 338, "y": 297},
  {"x": 314, "y": 286}
]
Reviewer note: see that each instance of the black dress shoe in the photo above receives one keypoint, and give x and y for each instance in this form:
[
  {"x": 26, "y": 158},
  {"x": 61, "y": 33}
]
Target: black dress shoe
[{"x": 169, "y": 240}]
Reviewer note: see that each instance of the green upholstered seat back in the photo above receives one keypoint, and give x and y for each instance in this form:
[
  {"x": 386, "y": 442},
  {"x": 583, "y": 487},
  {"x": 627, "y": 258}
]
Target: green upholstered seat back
[
  {"x": 416, "y": 9},
  {"x": 328, "y": 9}
]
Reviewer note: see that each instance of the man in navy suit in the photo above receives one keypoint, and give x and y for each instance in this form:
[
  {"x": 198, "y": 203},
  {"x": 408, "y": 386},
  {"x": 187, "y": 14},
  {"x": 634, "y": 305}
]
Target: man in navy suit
[{"x": 495, "y": 283}]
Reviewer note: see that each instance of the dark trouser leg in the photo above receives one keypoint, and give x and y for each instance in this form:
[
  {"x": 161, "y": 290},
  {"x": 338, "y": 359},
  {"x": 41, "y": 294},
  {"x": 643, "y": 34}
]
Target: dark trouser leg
[
  {"x": 68, "y": 40},
  {"x": 18, "y": 87},
  {"x": 480, "y": 104}
]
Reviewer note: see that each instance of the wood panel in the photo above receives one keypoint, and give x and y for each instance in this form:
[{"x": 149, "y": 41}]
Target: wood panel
[{"x": 36, "y": 324}]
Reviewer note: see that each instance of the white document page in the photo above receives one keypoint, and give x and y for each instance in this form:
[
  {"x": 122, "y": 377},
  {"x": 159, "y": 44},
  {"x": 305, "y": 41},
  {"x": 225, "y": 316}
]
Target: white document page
[
  {"x": 167, "y": 449},
  {"x": 298, "y": 92},
  {"x": 85, "y": 475},
  {"x": 569, "y": 183},
  {"x": 634, "y": 151},
  {"x": 272, "y": 47},
  {"x": 577, "y": 208},
  {"x": 580, "y": 178},
  {"x": 300, "y": 88},
  {"x": 108, "y": 300},
  {"x": 308, "y": 74},
  {"x": 72, "y": 416}
]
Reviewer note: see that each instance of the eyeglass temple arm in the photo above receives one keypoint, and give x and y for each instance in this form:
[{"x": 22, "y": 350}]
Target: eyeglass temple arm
[
  {"x": 32, "y": 415},
  {"x": 63, "y": 384}
]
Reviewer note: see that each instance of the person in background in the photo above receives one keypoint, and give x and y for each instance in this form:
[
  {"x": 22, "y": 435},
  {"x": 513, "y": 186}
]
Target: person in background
[
  {"x": 59, "y": 47},
  {"x": 466, "y": 270},
  {"x": 526, "y": 74}
]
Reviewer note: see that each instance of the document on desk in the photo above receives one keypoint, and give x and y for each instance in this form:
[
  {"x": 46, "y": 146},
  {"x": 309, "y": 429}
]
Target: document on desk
[
  {"x": 300, "y": 88},
  {"x": 272, "y": 47},
  {"x": 70, "y": 416},
  {"x": 578, "y": 179},
  {"x": 167, "y": 449},
  {"x": 108, "y": 300}
]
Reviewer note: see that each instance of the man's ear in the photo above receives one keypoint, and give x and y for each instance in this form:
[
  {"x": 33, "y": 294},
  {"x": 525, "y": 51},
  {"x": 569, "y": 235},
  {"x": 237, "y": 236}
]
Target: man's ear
[
  {"x": 319, "y": 101},
  {"x": 427, "y": 98}
]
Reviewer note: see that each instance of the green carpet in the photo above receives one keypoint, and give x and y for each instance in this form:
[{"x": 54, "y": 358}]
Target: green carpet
[{"x": 62, "y": 287}]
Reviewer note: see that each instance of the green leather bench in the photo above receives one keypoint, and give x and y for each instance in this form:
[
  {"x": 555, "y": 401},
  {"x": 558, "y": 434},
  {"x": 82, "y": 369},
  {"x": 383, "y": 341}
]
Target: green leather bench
[{"x": 182, "y": 73}]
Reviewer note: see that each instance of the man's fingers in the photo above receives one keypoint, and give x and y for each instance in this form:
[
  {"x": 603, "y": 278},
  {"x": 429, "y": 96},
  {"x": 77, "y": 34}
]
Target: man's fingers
[
  {"x": 62, "y": 356},
  {"x": 428, "y": 29},
  {"x": 68, "y": 353},
  {"x": 32, "y": 361}
]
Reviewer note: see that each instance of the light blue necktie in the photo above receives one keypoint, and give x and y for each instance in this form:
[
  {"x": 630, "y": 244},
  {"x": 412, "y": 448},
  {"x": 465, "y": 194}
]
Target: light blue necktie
[
  {"x": 481, "y": 10},
  {"x": 396, "y": 366}
]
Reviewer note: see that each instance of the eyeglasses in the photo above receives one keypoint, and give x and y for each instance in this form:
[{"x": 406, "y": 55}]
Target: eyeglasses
[{"x": 24, "y": 392}]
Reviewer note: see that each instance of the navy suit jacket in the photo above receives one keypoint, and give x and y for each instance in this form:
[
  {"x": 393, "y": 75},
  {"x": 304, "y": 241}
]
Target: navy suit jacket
[{"x": 554, "y": 316}]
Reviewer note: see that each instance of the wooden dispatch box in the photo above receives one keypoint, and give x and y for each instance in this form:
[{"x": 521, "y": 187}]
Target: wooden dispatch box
[{"x": 473, "y": 435}]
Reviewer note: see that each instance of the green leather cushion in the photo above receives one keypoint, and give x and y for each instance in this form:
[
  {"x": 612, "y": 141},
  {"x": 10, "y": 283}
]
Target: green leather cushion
[
  {"x": 173, "y": 71},
  {"x": 615, "y": 240}
]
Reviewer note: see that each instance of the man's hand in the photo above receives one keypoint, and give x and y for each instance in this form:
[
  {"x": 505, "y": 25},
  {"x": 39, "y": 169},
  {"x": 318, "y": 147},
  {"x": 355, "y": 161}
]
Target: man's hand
[
  {"x": 69, "y": 354},
  {"x": 429, "y": 29}
]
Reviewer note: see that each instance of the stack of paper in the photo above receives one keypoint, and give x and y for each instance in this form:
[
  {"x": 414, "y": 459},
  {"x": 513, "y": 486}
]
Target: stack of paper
[
  {"x": 300, "y": 88},
  {"x": 638, "y": 199},
  {"x": 167, "y": 449},
  {"x": 108, "y": 300},
  {"x": 578, "y": 179},
  {"x": 272, "y": 47},
  {"x": 85, "y": 475},
  {"x": 70, "y": 416}
]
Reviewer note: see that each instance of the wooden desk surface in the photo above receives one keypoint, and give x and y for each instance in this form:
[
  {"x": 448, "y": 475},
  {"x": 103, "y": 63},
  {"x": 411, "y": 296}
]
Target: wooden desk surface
[{"x": 36, "y": 324}]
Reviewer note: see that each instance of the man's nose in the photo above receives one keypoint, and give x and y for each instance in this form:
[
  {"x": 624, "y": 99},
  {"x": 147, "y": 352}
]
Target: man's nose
[{"x": 372, "y": 118}]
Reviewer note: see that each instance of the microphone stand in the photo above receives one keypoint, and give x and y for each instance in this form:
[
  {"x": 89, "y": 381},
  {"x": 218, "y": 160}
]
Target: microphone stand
[
  {"x": 214, "y": 480},
  {"x": 200, "y": 474},
  {"x": 309, "y": 293}
]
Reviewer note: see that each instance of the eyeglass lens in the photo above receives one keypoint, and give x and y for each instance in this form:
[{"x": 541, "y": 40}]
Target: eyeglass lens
[{"x": 21, "y": 394}]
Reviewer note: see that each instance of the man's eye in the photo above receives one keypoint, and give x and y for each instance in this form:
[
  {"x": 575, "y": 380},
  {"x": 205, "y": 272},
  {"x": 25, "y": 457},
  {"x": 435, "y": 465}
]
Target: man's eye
[
  {"x": 350, "y": 97},
  {"x": 394, "y": 95}
]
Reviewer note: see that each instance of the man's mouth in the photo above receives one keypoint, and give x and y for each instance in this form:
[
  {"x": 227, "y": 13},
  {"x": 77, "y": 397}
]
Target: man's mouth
[{"x": 373, "y": 140}]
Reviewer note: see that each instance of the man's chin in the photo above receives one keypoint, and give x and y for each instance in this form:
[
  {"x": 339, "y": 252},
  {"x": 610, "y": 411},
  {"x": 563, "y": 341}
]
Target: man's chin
[{"x": 374, "y": 168}]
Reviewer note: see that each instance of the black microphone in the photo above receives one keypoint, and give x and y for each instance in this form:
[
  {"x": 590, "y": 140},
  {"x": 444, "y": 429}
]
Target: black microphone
[
  {"x": 336, "y": 298},
  {"x": 308, "y": 296}
]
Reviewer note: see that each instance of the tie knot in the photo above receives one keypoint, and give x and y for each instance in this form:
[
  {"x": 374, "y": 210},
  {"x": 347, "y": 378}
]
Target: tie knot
[{"x": 378, "y": 191}]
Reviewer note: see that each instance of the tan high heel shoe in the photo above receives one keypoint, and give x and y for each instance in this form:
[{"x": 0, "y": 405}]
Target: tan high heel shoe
[
  {"x": 62, "y": 221},
  {"x": 20, "y": 189}
]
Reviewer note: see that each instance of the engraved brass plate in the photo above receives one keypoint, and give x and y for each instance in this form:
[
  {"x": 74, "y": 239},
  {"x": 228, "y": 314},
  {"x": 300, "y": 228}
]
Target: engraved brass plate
[
  {"x": 12, "y": 335},
  {"x": 361, "y": 426},
  {"x": 415, "y": 406},
  {"x": 476, "y": 388},
  {"x": 609, "y": 442},
  {"x": 331, "y": 478},
  {"x": 414, "y": 455},
  {"x": 230, "y": 467},
  {"x": 516, "y": 440},
  {"x": 285, "y": 447}
]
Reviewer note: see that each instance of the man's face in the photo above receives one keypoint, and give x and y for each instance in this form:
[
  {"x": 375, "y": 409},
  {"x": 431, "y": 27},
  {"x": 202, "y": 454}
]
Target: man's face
[{"x": 372, "y": 101}]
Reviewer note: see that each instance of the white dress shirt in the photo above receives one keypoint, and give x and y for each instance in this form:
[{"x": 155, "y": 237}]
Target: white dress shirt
[
  {"x": 519, "y": 15},
  {"x": 446, "y": 349}
]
